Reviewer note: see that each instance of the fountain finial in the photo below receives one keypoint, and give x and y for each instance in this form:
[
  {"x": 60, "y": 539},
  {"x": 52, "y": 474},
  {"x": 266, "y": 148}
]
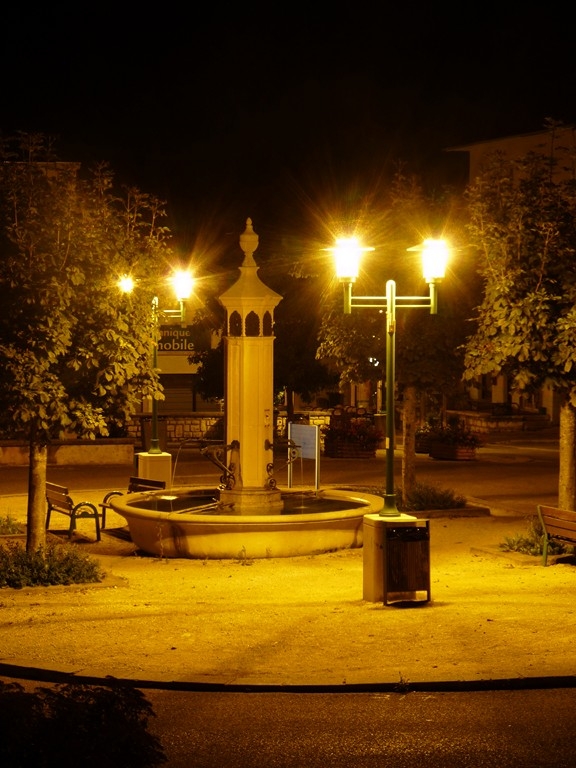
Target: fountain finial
[{"x": 248, "y": 243}]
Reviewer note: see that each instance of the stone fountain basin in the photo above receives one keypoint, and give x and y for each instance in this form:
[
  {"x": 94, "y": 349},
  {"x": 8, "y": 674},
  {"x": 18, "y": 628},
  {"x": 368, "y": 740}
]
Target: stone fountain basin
[{"x": 164, "y": 523}]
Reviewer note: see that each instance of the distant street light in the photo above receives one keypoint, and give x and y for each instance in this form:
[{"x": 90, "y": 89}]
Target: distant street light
[
  {"x": 347, "y": 254},
  {"x": 182, "y": 283}
]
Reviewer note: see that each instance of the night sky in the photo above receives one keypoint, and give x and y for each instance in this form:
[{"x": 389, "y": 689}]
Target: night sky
[{"x": 281, "y": 117}]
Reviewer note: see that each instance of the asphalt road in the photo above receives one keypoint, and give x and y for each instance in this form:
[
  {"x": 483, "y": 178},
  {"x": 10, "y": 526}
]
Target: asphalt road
[
  {"x": 482, "y": 729},
  {"x": 508, "y": 729},
  {"x": 509, "y": 476}
]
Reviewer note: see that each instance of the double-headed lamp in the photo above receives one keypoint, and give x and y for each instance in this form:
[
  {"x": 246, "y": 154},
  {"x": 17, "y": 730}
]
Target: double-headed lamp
[
  {"x": 434, "y": 259},
  {"x": 182, "y": 282}
]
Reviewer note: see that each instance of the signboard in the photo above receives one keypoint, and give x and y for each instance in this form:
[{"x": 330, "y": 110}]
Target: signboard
[
  {"x": 307, "y": 439},
  {"x": 178, "y": 339}
]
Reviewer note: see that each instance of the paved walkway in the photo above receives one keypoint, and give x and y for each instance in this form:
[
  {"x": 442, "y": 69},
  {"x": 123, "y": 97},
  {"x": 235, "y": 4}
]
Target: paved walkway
[{"x": 496, "y": 619}]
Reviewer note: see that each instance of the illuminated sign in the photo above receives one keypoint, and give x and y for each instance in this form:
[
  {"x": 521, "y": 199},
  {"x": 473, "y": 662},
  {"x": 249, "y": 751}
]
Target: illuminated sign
[{"x": 176, "y": 340}]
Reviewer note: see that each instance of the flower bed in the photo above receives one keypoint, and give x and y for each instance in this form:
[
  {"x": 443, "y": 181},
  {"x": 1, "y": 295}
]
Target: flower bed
[
  {"x": 341, "y": 449},
  {"x": 454, "y": 441},
  {"x": 351, "y": 436}
]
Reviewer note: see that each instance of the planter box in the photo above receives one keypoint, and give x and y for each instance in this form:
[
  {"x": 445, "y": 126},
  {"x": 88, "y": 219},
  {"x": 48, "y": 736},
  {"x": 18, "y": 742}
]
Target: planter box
[
  {"x": 342, "y": 450},
  {"x": 452, "y": 452},
  {"x": 422, "y": 444}
]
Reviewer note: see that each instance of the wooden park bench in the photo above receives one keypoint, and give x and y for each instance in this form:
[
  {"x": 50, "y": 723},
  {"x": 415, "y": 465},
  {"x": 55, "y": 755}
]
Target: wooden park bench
[
  {"x": 58, "y": 500},
  {"x": 135, "y": 485},
  {"x": 558, "y": 525}
]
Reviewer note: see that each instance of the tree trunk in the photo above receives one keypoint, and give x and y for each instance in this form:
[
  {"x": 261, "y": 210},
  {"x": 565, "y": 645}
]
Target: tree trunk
[
  {"x": 567, "y": 474},
  {"x": 409, "y": 437},
  {"x": 36, "y": 514}
]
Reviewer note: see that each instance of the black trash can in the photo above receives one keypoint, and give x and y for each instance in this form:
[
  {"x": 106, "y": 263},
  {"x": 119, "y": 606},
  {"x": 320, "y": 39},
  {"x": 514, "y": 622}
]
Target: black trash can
[{"x": 406, "y": 568}]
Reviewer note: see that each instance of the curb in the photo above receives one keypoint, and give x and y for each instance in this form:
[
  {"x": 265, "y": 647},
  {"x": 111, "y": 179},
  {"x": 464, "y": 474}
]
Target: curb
[{"x": 38, "y": 674}]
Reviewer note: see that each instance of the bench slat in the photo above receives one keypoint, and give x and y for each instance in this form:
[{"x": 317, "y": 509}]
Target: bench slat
[
  {"x": 144, "y": 484},
  {"x": 135, "y": 485},
  {"x": 559, "y": 524}
]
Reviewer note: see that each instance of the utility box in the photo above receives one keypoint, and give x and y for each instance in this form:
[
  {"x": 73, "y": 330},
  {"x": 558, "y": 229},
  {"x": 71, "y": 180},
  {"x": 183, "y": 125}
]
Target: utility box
[{"x": 406, "y": 562}]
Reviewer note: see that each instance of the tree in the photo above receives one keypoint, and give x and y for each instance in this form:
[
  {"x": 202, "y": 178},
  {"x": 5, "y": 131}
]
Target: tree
[
  {"x": 297, "y": 319},
  {"x": 75, "y": 353},
  {"x": 523, "y": 227}
]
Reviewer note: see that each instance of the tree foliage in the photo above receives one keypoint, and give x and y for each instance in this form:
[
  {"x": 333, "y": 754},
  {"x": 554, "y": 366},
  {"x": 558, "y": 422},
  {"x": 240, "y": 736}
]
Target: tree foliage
[
  {"x": 523, "y": 227},
  {"x": 75, "y": 352},
  {"x": 297, "y": 320}
]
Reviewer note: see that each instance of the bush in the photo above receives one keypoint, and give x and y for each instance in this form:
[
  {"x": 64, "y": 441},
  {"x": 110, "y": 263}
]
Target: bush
[
  {"x": 424, "y": 497},
  {"x": 8, "y": 525},
  {"x": 56, "y": 564},
  {"x": 74, "y": 724},
  {"x": 532, "y": 541}
]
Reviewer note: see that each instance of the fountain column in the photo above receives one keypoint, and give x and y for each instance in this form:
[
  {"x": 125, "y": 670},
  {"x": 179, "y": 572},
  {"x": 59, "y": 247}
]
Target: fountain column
[{"x": 249, "y": 385}]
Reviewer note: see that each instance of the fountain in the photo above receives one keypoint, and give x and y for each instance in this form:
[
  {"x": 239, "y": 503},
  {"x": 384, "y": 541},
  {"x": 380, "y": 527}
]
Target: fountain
[
  {"x": 189, "y": 522},
  {"x": 248, "y": 515}
]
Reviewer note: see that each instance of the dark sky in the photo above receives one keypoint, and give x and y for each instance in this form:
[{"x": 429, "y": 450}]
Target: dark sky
[{"x": 231, "y": 113}]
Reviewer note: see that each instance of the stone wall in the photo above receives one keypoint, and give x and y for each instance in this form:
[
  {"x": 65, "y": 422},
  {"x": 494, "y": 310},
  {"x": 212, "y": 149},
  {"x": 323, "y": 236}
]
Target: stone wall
[
  {"x": 486, "y": 423},
  {"x": 173, "y": 430},
  {"x": 66, "y": 452}
]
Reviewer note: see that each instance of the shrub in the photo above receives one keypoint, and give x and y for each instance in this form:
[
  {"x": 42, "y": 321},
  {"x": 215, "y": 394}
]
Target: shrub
[
  {"x": 531, "y": 542},
  {"x": 56, "y": 564},
  {"x": 424, "y": 497},
  {"x": 75, "y": 724},
  {"x": 8, "y": 525}
]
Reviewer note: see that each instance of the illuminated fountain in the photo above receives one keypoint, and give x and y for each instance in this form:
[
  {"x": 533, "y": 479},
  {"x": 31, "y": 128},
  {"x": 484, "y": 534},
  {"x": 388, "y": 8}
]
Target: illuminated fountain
[{"x": 248, "y": 514}]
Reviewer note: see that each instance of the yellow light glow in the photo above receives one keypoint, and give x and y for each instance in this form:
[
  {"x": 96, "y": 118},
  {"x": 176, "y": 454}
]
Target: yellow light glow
[
  {"x": 126, "y": 284},
  {"x": 347, "y": 253},
  {"x": 434, "y": 259},
  {"x": 182, "y": 282}
]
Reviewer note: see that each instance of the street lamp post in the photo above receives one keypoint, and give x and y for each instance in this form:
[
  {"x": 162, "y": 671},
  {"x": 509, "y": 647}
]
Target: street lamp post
[
  {"x": 434, "y": 257},
  {"x": 161, "y": 468}
]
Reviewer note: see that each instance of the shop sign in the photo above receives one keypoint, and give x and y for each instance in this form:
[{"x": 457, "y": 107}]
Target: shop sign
[{"x": 176, "y": 340}]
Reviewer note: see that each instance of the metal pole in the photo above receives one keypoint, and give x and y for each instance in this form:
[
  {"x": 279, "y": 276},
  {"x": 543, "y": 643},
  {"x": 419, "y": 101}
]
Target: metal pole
[
  {"x": 154, "y": 439},
  {"x": 390, "y": 507}
]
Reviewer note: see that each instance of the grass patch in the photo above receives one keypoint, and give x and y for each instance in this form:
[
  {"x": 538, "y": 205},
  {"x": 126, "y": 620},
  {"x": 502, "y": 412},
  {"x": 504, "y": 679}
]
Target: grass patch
[{"x": 55, "y": 564}]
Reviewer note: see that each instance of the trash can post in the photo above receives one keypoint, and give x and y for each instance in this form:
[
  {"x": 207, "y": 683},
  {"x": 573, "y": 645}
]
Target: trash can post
[
  {"x": 396, "y": 558},
  {"x": 407, "y": 561}
]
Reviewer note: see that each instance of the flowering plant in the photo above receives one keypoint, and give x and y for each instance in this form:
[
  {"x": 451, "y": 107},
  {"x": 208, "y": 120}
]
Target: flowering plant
[
  {"x": 353, "y": 430},
  {"x": 456, "y": 433}
]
